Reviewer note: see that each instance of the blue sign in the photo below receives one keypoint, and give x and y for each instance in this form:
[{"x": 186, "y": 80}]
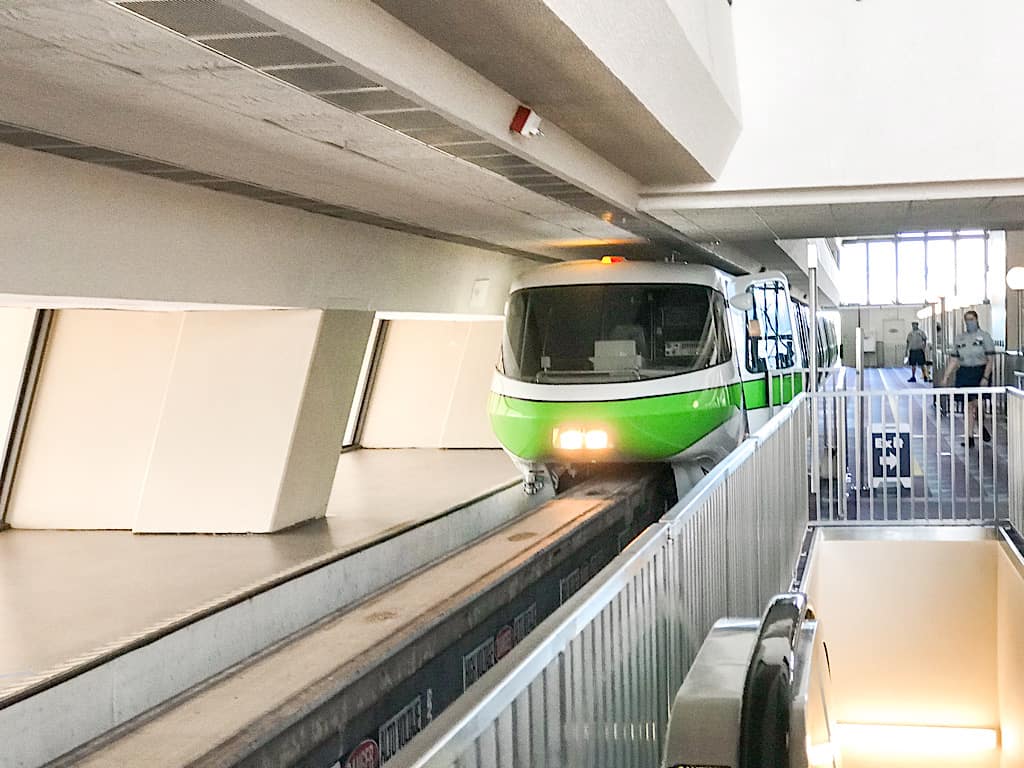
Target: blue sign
[{"x": 890, "y": 455}]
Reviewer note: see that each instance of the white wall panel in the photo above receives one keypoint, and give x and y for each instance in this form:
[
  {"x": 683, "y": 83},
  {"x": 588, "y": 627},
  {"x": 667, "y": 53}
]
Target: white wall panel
[
  {"x": 65, "y": 234},
  {"x": 330, "y": 384},
  {"x": 911, "y": 630},
  {"x": 229, "y": 420},
  {"x": 431, "y": 384},
  {"x": 466, "y": 422},
  {"x": 94, "y": 419}
]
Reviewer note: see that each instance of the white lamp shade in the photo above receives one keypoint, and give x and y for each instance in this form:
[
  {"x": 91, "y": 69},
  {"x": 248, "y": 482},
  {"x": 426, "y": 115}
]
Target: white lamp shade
[{"x": 1015, "y": 278}]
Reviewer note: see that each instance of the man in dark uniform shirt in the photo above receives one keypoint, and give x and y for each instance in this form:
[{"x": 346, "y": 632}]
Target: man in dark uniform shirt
[{"x": 971, "y": 359}]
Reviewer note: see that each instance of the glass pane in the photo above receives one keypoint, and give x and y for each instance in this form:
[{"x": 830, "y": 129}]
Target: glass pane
[
  {"x": 584, "y": 333},
  {"x": 910, "y": 280},
  {"x": 940, "y": 269},
  {"x": 769, "y": 329},
  {"x": 853, "y": 265},
  {"x": 970, "y": 270},
  {"x": 16, "y": 326},
  {"x": 882, "y": 272}
]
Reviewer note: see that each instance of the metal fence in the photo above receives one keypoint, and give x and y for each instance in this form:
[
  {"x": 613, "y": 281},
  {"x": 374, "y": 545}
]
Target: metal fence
[
  {"x": 1015, "y": 456},
  {"x": 593, "y": 685},
  {"x": 908, "y": 456}
]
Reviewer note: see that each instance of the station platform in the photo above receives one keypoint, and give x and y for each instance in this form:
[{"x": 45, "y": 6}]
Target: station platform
[{"x": 70, "y": 598}]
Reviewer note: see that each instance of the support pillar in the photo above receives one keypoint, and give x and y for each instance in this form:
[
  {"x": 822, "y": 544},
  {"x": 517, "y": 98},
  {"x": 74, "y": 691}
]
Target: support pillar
[{"x": 251, "y": 424}]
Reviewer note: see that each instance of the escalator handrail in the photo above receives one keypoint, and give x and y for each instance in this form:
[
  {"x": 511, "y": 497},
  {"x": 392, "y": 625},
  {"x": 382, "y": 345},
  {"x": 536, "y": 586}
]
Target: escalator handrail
[{"x": 768, "y": 687}]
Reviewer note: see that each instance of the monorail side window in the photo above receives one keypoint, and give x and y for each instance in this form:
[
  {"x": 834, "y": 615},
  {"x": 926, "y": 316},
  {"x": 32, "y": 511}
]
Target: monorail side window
[
  {"x": 770, "y": 343},
  {"x": 582, "y": 334}
]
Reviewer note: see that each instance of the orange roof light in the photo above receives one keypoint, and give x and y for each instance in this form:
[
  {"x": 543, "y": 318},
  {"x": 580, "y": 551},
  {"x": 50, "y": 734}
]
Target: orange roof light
[{"x": 612, "y": 259}]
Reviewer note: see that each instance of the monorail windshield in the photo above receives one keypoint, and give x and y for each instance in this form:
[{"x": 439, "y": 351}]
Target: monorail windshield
[{"x": 584, "y": 334}]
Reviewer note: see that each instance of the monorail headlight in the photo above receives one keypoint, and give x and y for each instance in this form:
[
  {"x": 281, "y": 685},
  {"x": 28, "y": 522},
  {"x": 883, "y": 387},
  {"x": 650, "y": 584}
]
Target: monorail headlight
[
  {"x": 576, "y": 439},
  {"x": 569, "y": 439},
  {"x": 595, "y": 439}
]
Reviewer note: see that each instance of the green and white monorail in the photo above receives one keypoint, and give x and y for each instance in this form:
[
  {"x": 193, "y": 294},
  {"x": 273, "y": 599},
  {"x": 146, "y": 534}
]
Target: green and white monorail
[{"x": 616, "y": 361}]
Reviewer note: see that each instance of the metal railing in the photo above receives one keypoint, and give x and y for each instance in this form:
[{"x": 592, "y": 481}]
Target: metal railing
[
  {"x": 1015, "y": 456},
  {"x": 593, "y": 685},
  {"x": 782, "y": 385},
  {"x": 905, "y": 456}
]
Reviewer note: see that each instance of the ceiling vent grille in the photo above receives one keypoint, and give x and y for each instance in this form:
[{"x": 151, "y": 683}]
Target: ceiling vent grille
[
  {"x": 26, "y": 138},
  {"x": 231, "y": 33}
]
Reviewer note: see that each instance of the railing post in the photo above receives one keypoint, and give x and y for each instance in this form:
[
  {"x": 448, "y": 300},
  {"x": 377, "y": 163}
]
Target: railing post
[{"x": 812, "y": 274}]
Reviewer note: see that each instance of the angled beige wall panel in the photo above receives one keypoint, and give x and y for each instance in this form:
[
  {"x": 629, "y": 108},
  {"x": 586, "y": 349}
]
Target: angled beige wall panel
[
  {"x": 431, "y": 384},
  {"x": 94, "y": 419},
  {"x": 466, "y": 423},
  {"x": 229, "y": 420},
  {"x": 413, "y": 383},
  {"x": 316, "y": 442}
]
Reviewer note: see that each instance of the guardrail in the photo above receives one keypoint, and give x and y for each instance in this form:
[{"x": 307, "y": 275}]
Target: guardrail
[
  {"x": 593, "y": 684},
  {"x": 780, "y": 383},
  {"x": 1015, "y": 456},
  {"x": 906, "y": 456}
]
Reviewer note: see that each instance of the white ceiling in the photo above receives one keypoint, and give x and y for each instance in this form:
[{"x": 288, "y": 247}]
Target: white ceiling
[
  {"x": 710, "y": 224},
  {"x": 97, "y": 74},
  {"x": 540, "y": 60}
]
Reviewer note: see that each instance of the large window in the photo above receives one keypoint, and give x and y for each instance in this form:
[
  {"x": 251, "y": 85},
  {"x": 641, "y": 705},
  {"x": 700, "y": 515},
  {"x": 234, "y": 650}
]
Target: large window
[
  {"x": 914, "y": 267},
  {"x": 581, "y": 334}
]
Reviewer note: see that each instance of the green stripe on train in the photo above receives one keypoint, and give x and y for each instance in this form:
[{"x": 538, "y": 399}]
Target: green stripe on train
[
  {"x": 647, "y": 428},
  {"x": 783, "y": 390}
]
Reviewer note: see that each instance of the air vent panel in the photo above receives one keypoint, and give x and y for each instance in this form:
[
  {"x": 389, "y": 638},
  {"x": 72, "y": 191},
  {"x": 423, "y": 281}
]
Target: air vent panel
[
  {"x": 32, "y": 140},
  {"x": 269, "y": 51},
  {"x": 440, "y": 137},
  {"x": 223, "y": 29},
  {"x": 89, "y": 154},
  {"x": 25, "y": 138},
  {"x": 501, "y": 161},
  {"x": 412, "y": 120},
  {"x": 196, "y": 17},
  {"x": 474, "y": 149},
  {"x": 370, "y": 101},
  {"x": 322, "y": 79}
]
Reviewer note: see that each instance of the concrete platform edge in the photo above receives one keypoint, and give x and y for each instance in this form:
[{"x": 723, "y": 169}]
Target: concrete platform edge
[{"x": 126, "y": 684}]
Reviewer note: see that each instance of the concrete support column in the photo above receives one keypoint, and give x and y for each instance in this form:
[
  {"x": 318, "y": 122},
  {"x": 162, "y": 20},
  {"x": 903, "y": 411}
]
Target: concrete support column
[{"x": 251, "y": 424}]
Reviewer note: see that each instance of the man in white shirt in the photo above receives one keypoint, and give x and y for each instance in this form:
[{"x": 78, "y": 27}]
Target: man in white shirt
[{"x": 917, "y": 342}]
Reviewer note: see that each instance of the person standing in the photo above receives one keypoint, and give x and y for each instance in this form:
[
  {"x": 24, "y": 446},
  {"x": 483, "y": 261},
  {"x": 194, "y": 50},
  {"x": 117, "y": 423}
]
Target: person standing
[
  {"x": 971, "y": 359},
  {"x": 917, "y": 342}
]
